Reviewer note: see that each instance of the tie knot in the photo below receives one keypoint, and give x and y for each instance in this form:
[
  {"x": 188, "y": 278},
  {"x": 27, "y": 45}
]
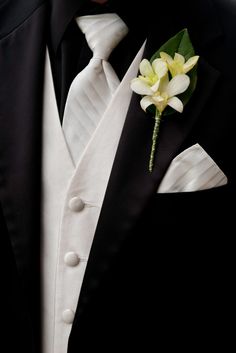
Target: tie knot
[{"x": 103, "y": 32}]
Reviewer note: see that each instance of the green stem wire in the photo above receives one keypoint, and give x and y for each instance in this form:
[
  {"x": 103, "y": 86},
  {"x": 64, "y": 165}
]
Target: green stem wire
[{"x": 154, "y": 139}]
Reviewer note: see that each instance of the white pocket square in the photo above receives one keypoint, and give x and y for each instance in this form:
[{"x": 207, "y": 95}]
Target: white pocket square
[{"x": 192, "y": 170}]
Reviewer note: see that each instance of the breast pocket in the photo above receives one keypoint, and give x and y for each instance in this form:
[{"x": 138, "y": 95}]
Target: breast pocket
[
  {"x": 191, "y": 227},
  {"x": 205, "y": 207}
]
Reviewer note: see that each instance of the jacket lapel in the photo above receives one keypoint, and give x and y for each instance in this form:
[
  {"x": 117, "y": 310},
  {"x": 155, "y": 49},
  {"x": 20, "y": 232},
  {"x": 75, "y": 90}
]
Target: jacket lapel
[{"x": 131, "y": 185}]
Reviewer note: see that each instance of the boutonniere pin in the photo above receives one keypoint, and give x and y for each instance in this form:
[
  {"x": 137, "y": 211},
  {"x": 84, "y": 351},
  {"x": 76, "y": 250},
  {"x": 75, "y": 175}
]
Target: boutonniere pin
[{"x": 167, "y": 81}]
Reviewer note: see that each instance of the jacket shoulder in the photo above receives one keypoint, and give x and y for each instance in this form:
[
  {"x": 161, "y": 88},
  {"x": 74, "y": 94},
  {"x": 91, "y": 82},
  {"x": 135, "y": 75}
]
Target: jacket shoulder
[{"x": 14, "y": 12}]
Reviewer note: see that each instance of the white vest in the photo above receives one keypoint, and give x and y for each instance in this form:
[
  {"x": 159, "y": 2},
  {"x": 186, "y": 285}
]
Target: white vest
[{"x": 72, "y": 198}]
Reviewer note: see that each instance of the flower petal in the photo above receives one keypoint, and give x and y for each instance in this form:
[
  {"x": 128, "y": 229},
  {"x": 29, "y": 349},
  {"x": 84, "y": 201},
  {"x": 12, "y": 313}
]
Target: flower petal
[
  {"x": 140, "y": 87},
  {"x": 145, "y": 68},
  {"x": 155, "y": 87},
  {"x": 160, "y": 67},
  {"x": 180, "y": 59},
  {"x": 158, "y": 99},
  {"x": 177, "y": 85},
  {"x": 164, "y": 84},
  {"x": 176, "y": 104},
  {"x": 190, "y": 63},
  {"x": 166, "y": 57},
  {"x": 146, "y": 102}
]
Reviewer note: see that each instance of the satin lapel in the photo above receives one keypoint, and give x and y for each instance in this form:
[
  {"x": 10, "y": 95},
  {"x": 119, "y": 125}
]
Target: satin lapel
[
  {"x": 21, "y": 71},
  {"x": 131, "y": 185}
]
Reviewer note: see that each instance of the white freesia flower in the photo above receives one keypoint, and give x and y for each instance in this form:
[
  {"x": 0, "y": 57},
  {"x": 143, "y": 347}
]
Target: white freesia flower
[
  {"x": 178, "y": 65},
  {"x": 166, "y": 94},
  {"x": 151, "y": 74}
]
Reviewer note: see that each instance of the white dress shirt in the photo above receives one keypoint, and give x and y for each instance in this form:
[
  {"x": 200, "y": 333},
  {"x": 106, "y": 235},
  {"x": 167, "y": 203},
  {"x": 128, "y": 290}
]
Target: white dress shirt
[{"x": 72, "y": 198}]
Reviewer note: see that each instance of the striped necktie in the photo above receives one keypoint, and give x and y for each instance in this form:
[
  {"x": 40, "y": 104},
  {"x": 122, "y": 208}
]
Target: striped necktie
[{"x": 92, "y": 89}]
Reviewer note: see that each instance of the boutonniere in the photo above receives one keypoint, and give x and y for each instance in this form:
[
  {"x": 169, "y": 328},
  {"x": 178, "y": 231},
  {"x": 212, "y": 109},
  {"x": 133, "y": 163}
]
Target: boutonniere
[{"x": 167, "y": 81}]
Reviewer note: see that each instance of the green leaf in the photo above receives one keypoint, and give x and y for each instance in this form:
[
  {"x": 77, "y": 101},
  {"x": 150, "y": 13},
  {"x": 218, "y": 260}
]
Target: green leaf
[{"x": 180, "y": 43}]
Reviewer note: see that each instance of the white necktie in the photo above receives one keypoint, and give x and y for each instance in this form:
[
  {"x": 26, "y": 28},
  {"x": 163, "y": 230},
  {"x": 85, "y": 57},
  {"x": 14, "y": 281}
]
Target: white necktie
[{"x": 93, "y": 88}]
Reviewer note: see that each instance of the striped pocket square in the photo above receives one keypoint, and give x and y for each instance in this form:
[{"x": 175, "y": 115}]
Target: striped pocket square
[{"x": 192, "y": 170}]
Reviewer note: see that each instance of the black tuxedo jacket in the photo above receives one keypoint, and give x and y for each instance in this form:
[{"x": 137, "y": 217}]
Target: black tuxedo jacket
[{"x": 161, "y": 271}]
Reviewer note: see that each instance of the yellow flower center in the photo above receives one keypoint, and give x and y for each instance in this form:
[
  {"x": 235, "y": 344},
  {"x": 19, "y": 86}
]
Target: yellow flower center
[
  {"x": 149, "y": 80},
  {"x": 161, "y": 100}
]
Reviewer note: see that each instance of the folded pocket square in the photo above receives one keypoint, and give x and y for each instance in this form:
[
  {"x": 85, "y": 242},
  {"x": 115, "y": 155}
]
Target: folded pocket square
[{"x": 192, "y": 170}]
